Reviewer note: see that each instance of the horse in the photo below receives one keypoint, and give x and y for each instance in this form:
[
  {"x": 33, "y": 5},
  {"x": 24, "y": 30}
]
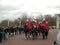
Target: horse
[{"x": 42, "y": 30}]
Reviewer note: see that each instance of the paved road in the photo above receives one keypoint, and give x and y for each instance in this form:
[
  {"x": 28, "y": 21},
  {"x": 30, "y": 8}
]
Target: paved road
[{"x": 19, "y": 40}]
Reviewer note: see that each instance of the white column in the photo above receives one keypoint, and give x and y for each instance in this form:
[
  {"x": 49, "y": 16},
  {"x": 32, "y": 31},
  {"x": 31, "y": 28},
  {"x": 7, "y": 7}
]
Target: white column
[{"x": 57, "y": 22}]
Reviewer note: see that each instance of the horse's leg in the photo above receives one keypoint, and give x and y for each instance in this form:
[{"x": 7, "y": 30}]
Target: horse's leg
[
  {"x": 28, "y": 34},
  {"x": 39, "y": 33},
  {"x": 36, "y": 33},
  {"x": 46, "y": 33},
  {"x": 25, "y": 34},
  {"x": 43, "y": 35},
  {"x": 32, "y": 35}
]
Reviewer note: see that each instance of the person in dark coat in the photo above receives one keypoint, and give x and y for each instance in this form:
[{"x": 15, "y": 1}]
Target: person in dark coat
[
  {"x": 1, "y": 35},
  {"x": 6, "y": 33},
  {"x": 12, "y": 31}
]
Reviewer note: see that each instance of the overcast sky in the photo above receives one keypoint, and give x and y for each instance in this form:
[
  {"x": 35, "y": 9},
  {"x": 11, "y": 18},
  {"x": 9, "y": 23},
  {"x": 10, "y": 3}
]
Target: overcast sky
[{"x": 12, "y": 9}]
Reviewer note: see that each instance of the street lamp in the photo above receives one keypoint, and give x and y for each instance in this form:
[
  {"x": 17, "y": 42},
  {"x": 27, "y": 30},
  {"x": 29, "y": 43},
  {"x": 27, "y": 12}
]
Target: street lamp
[
  {"x": 19, "y": 21},
  {"x": 8, "y": 22}
]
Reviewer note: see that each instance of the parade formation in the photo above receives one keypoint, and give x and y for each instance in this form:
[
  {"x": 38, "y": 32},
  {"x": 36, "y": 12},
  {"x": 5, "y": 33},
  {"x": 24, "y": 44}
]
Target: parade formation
[{"x": 30, "y": 29}]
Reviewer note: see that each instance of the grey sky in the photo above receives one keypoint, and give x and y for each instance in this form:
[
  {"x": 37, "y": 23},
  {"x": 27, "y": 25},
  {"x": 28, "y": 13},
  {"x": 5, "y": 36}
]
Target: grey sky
[
  {"x": 12, "y": 9},
  {"x": 6, "y": 11}
]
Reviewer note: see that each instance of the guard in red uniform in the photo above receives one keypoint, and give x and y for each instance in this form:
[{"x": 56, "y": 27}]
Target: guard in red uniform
[
  {"x": 40, "y": 28},
  {"x": 28, "y": 25},
  {"x": 35, "y": 28},
  {"x": 46, "y": 27},
  {"x": 35, "y": 24},
  {"x": 27, "y": 29},
  {"x": 45, "y": 24}
]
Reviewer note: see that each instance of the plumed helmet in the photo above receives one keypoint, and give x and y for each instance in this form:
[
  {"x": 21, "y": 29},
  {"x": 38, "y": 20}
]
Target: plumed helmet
[
  {"x": 33, "y": 20},
  {"x": 43, "y": 19},
  {"x": 27, "y": 20}
]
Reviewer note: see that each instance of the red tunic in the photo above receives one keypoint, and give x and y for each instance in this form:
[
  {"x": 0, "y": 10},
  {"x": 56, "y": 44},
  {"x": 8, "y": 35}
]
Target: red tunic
[
  {"x": 35, "y": 25},
  {"x": 45, "y": 25},
  {"x": 28, "y": 25}
]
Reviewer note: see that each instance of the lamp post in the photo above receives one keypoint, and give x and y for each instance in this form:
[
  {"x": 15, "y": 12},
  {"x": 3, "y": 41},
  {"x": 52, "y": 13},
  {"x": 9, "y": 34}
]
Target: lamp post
[
  {"x": 19, "y": 21},
  {"x": 8, "y": 22}
]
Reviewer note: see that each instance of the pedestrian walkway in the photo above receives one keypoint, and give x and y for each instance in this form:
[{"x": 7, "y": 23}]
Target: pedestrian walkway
[{"x": 19, "y": 39}]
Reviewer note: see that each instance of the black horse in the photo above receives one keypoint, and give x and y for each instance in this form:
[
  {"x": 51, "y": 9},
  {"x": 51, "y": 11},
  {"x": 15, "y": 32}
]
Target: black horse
[
  {"x": 26, "y": 32},
  {"x": 34, "y": 32},
  {"x": 42, "y": 30}
]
